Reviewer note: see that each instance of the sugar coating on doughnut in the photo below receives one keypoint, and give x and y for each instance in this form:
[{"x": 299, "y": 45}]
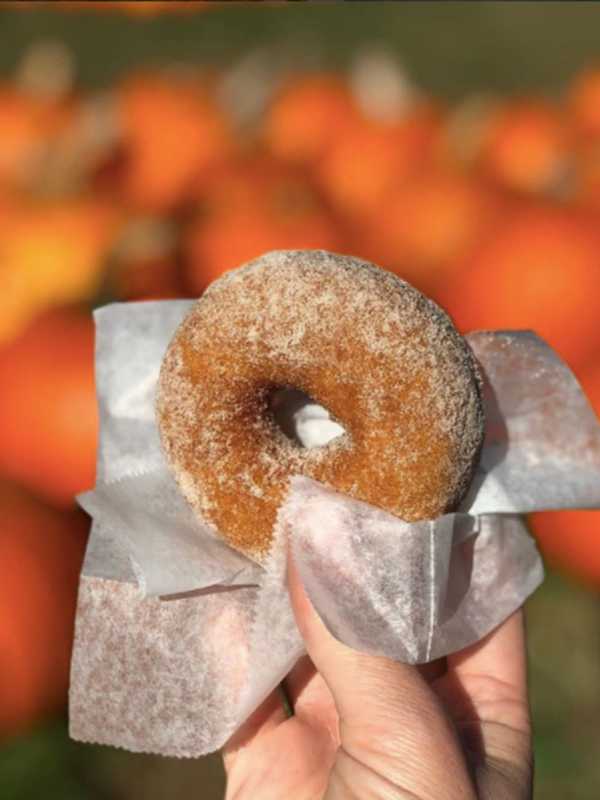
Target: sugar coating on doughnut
[{"x": 385, "y": 361}]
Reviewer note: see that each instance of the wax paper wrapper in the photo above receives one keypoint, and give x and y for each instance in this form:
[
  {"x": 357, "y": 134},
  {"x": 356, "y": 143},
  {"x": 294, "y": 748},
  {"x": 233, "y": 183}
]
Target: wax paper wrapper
[{"x": 179, "y": 638}]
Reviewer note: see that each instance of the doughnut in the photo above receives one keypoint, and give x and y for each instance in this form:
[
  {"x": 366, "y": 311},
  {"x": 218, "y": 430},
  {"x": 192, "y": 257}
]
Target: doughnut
[{"x": 384, "y": 360}]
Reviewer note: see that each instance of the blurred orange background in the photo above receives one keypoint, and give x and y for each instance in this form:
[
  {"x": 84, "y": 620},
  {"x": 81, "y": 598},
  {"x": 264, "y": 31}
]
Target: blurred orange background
[{"x": 152, "y": 184}]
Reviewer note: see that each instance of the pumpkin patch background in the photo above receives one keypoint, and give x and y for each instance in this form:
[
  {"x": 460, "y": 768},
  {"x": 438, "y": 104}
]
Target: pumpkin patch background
[{"x": 146, "y": 148}]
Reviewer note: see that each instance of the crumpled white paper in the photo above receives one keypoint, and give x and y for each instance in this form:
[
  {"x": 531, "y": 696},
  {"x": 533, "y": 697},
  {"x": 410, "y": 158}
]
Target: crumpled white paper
[{"x": 179, "y": 637}]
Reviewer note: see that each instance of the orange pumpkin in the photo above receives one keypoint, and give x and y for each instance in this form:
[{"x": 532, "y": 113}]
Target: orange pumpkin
[
  {"x": 251, "y": 207},
  {"x": 172, "y": 132},
  {"x": 570, "y": 542},
  {"x": 427, "y": 223},
  {"x": 585, "y": 186},
  {"x": 539, "y": 270},
  {"x": 41, "y": 550},
  {"x": 142, "y": 8},
  {"x": 374, "y": 156},
  {"x": 307, "y": 117},
  {"x": 51, "y": 252},
  {"x": 525, "y": 146},
  {"x": 137, "y": 8},
  {"x": 583, "y": 103},
  {"x": 48, "y": 415}
]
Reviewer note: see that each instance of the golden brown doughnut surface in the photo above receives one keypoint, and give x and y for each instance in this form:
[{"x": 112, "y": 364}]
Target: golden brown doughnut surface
[{"x": 385, "y": 361}]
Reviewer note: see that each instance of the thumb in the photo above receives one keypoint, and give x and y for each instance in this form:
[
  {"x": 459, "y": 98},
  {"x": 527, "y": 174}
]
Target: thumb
[{"x": 391, "y": 723}]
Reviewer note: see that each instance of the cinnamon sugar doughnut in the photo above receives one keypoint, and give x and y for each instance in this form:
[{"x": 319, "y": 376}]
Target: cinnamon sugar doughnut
[{"x": 385, "y": 361}]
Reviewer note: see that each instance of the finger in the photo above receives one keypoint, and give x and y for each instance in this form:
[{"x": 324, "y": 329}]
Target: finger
[
  {"x": 310, "y": 697},
  {"x": 500, "y": 655},
  {"x": 488, "y": 680},
  {"x": 388, "y": 715},
  {"x": 486, "y": 688},
  {"x": 267, "y": 716},
  {"x": 338, "y": 663}
]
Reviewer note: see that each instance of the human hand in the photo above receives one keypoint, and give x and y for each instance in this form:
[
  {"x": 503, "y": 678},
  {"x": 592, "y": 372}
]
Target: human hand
[{"x": 371, "y": 728}]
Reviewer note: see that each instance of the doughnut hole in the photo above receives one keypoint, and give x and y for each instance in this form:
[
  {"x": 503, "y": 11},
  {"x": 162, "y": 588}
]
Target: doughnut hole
[{"x": 301, "y": 419}]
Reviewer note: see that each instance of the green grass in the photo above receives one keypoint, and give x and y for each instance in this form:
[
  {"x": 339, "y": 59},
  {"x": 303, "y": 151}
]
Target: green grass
[
  {"x": 450, "y": 48},
  {"x": 564, "y": 650},
  {"x": 43, "y": 764}
]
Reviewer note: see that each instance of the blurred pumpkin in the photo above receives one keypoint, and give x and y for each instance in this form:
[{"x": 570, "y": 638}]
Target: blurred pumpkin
[
  {"x": 41, "y": 551},
  {"x": 135, "y": 8},
  {"x": 17, "y": 305},
  {"x": 525, "y": 146},
  {"x": 540, "y": 270},
  {"x": 375, "y": 156},
  {"x": 172, "y": 131},
  {"x": 142, "y": 8},
  {"x": 249, "y": 208},
  {"x": 570, "y": 542},
  {"x": 48, "y": 415},
  {"x": 585, "y": 186},
  {"x": 243, "y": 182},
  {"x": 52, "y": 252},
  {"x": 307, "y": 117},
  {"x": 427, "y": 223},
  {"x": 583, "y": 104}
]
